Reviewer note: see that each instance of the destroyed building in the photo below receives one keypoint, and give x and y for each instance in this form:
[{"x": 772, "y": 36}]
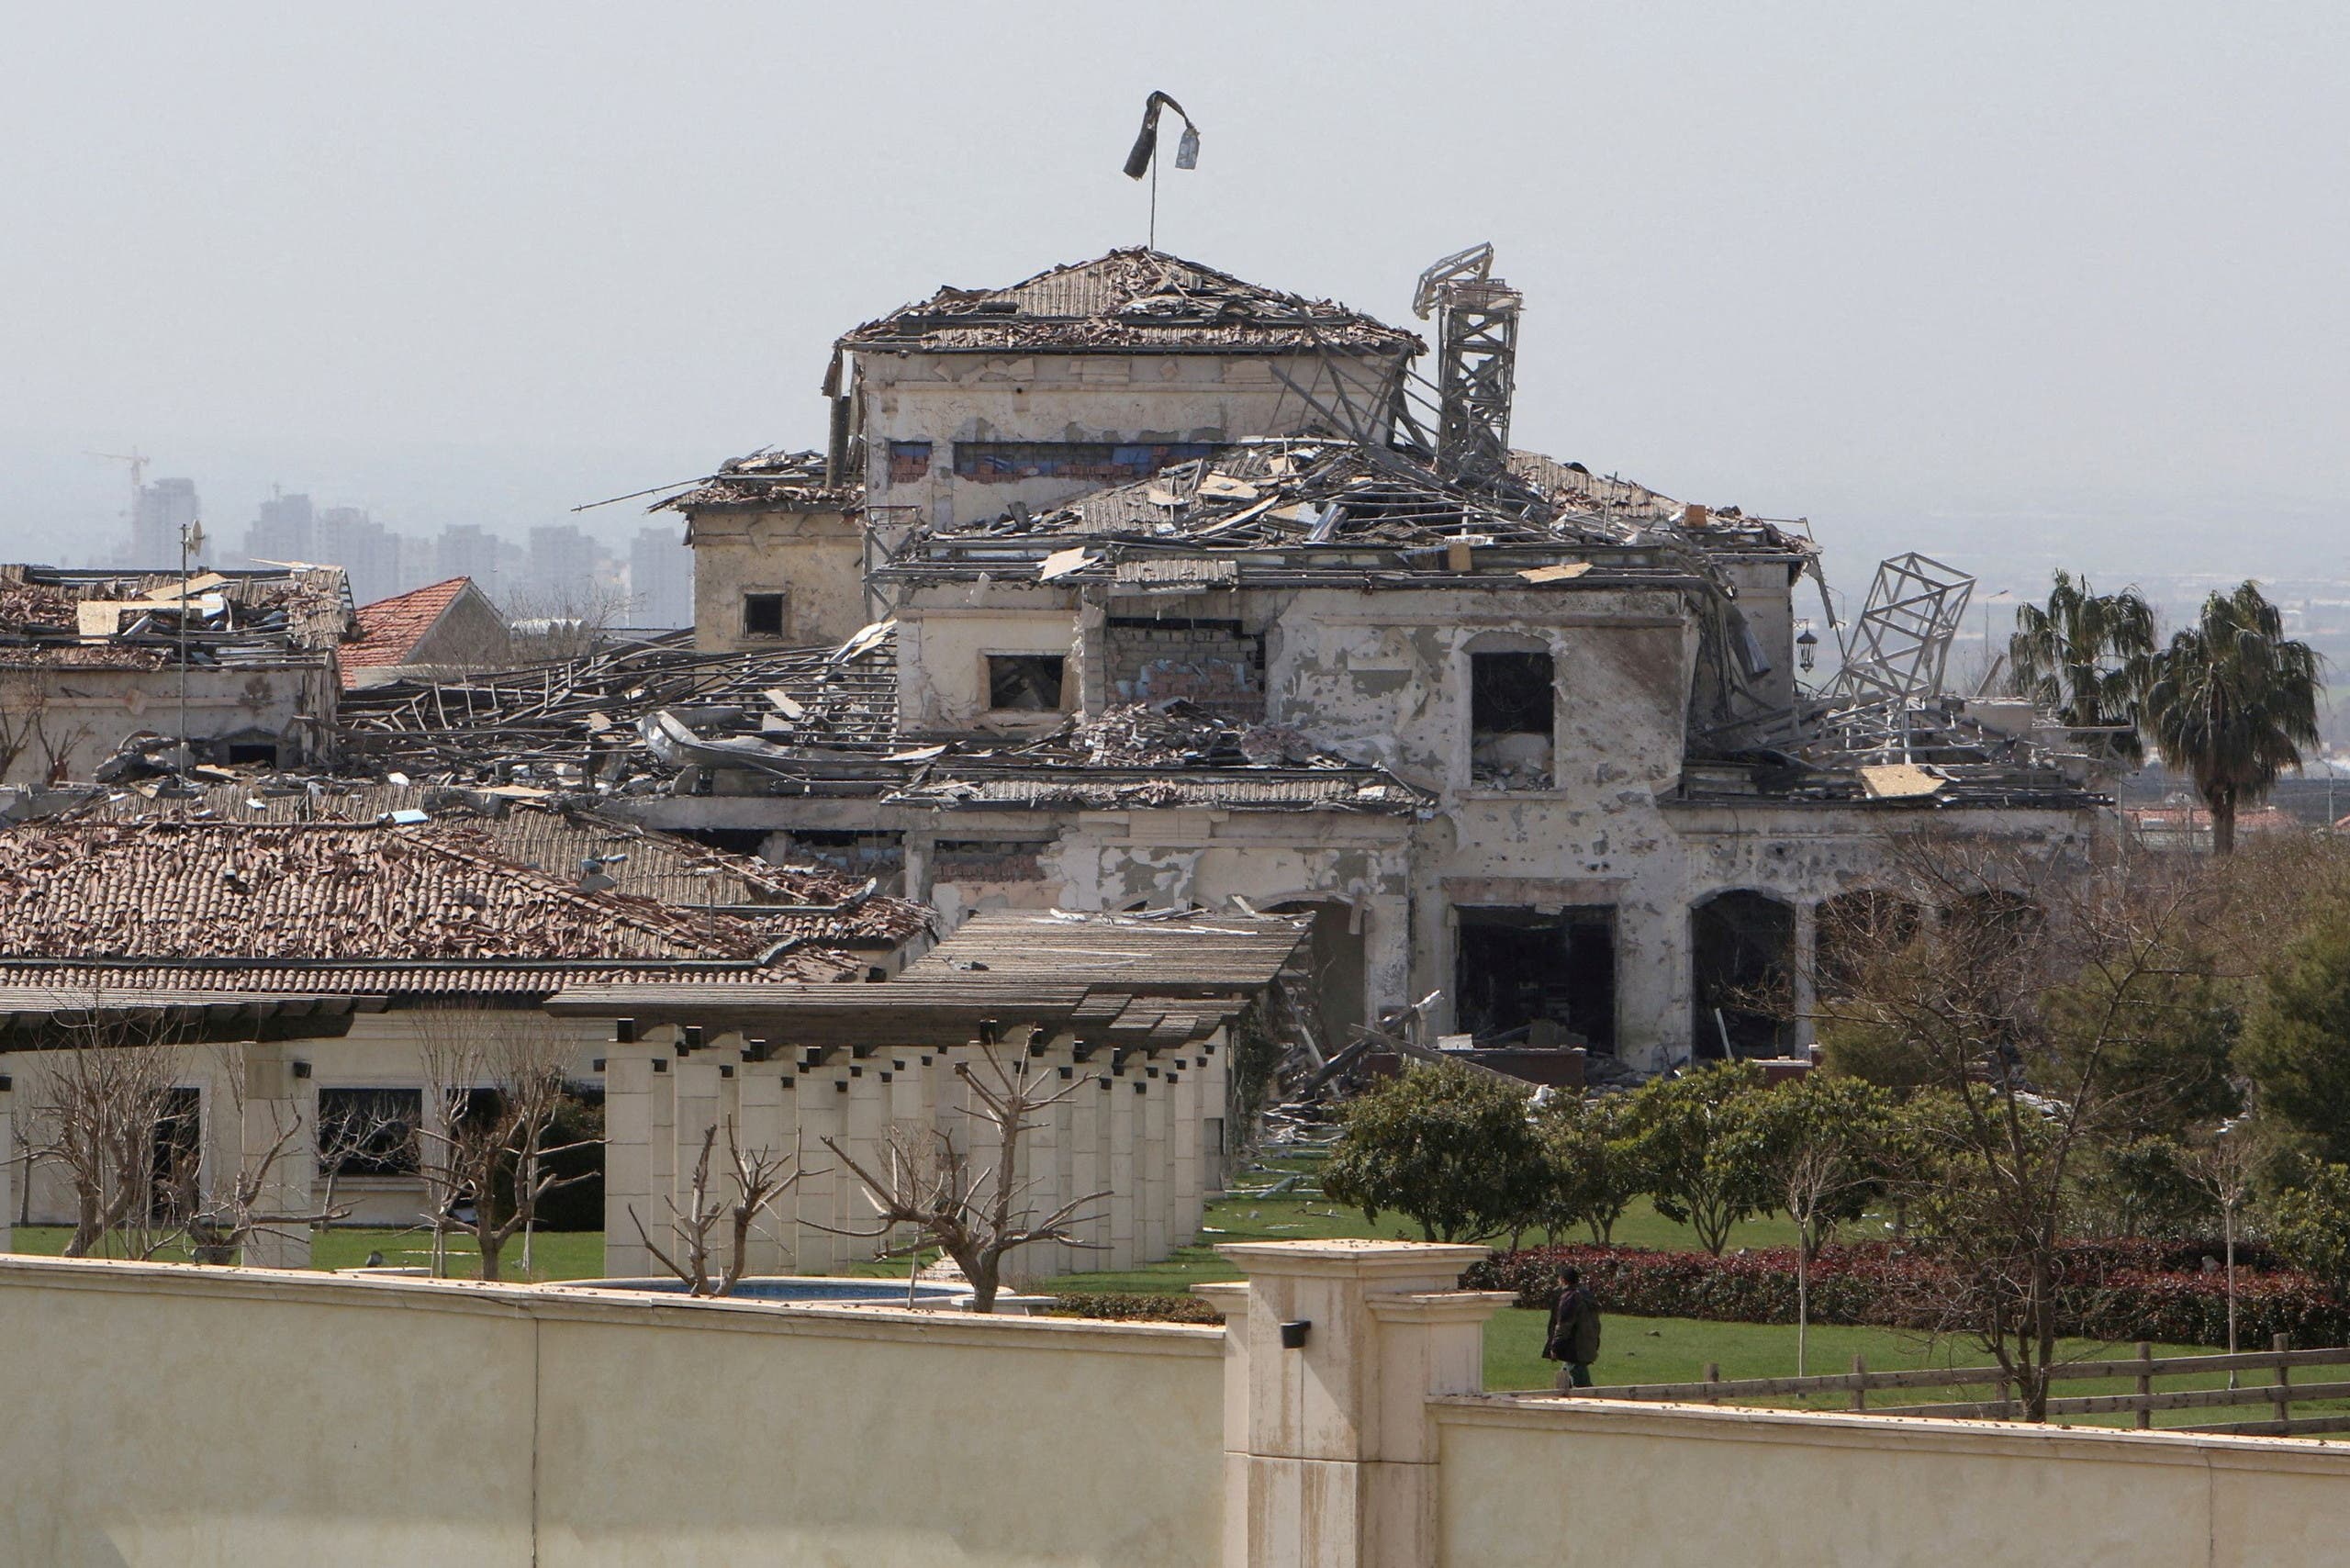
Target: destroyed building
[
  {"x": 240, "y": 664},
  {"x": 1164, "y": 590}
]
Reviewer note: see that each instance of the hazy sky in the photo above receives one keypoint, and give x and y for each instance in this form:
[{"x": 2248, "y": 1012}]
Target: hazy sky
[{"x": 2062, "y": 281}]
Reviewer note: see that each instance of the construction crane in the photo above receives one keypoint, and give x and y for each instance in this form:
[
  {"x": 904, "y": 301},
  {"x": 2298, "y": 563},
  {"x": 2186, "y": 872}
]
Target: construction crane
[
  {"x": 1476, "y": 361},
  {"x": 137, "y": 462}
]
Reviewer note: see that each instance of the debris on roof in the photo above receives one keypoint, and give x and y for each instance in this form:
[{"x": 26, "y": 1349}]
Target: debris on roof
[
  {"x": 99, "y": 619},
  {"x": 769, "y": 479},
  {"x": 1129, "y": 301}
]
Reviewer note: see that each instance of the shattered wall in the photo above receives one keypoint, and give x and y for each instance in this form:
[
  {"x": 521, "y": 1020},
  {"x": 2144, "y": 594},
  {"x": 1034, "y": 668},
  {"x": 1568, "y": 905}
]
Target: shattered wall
[
  {"x": 816, "y": 560},
  {"x": 62, "y": 720},
  {"x": 916, "y": 407}
]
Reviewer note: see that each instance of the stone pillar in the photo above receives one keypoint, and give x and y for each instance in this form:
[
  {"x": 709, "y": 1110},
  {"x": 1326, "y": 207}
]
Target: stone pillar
[
  {"x": 822, "y": 1094},
  {"x": 1807, "y": 975},
  {"x": 696, "y": 1077},
  {"x": 1185, "y": 1131},
  {"x": 7, "y": 1163},
  {"x": 636, "y": 1074},
  {"x": 1216, "y": 1135},
  {"x": 1089, "y": 1146},
  {"x": 759, "y": 1097},
  {"x": 1121, "y": 1170},
  {"x": 281, "y": 1129},
  {"x": 1330, "y": 1457},
  {"x": 1090, "y": 650},
  {"x": 864, "y": 1131},
  {"x": 1155, "y": 1167}
]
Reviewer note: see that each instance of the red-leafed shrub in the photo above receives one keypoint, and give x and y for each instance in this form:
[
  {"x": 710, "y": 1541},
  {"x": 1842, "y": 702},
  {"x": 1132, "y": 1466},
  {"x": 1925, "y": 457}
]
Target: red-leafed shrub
[{"x": 2111, "y": 1291}]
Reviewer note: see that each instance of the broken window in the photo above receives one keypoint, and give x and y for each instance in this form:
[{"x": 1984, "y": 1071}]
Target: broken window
[
  {"x": 1103, "y": 462},
  {"x": 763, "y": 615},
  {"x": 1512, "y": 708},
  {"x": 1029, "y": 682},
  {"x": 908, "y": 461},
  {"x": 989, "y": 860},
  {"x": 1741, "y": 960},
  {"x": 1537, "y": 978}
]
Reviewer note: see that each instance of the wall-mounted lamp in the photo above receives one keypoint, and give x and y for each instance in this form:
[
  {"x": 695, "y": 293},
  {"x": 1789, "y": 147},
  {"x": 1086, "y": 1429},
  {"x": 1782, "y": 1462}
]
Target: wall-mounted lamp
[
  {"x": 1806, "y": 646},
  {"x": 1294, "y": 1334}
]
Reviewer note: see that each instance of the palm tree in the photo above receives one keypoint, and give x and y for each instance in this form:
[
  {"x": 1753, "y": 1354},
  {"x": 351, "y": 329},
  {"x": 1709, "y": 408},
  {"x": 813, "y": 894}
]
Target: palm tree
[
  {"x": 2232, "y": 701},
  {"x": 2082, "y": 657}
]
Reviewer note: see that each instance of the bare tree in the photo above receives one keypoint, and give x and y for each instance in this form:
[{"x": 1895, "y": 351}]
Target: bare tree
[
  {"x": 99, "y": 1102},
  {"x": 30, "y": 734},
  {"x": 2047, "y": 1003},
  {"x": 976, "y": 1213},
  {"x": 755, "y": 1180},
  {"x": 546, "y": 625},
  {"x": 2227, "y": 1170},
  {"x": 494, "y": 1084}
]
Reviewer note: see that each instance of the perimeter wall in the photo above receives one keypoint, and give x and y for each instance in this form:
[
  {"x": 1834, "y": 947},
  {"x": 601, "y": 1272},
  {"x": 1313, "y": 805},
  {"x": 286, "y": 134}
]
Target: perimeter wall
[{"x": 162, "y": 1415}]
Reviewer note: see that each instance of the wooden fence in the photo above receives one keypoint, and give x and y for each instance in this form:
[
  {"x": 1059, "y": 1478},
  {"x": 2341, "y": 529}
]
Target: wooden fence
[{"x": 2143, "y": 1368}]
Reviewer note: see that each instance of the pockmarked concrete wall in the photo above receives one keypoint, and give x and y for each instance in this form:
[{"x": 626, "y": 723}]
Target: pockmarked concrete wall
[
  {"x": 201, "y": 1418},
  {"x": 1564, "y": 1484}
]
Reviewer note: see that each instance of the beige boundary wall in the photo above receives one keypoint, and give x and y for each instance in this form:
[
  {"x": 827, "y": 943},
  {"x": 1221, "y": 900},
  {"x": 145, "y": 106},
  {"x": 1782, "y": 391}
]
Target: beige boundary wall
[{"x": 199, "y": 1418}]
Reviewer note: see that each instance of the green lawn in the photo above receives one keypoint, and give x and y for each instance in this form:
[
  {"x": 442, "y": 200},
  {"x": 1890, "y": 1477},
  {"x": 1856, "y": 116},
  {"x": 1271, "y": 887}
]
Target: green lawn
[{"x": 555, "y": 1254}]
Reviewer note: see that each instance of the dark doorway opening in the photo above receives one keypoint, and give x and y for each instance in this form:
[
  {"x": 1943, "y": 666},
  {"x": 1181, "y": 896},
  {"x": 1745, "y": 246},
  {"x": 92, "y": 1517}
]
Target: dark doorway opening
[
  {"x": 178, "y": 1154},
  {"x": 1535, "y": 976},
  {"x": 1335, "y": 955},
  {"x": 1743, "y": 949}
]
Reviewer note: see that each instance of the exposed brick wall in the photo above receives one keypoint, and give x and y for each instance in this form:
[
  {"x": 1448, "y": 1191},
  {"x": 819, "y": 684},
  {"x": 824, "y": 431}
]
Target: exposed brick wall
[{"x": 1213, "y": 663}]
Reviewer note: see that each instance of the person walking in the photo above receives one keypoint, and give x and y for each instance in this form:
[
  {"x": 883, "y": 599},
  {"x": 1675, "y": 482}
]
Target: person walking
[{"x": 1573, "y": 1339}]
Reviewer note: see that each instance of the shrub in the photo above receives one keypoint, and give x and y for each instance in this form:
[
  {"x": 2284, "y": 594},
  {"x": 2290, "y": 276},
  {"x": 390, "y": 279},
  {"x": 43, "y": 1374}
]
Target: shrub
[
  {"x": 1134, "y": 1306},
  {"x": 2115, "y": 1292},
  {"x": 1445, "y": 1145}
]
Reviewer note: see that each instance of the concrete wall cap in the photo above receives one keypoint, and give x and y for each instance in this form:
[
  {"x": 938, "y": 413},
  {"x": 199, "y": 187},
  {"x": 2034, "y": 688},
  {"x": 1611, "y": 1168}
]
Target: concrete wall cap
[{"x": 1349, "y": 1255}]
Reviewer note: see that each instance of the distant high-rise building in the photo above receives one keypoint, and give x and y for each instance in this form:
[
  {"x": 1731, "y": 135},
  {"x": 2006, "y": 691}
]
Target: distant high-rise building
[
  {"x": 165, "y": 507},
  {"x": 368, "y": 553},
  {"x": 285, "y": 530},
  {"x": 660, "y": 579},
  {"x": 419, "y": 562},
  {"x": 564, "y": 562},
  {"x": 469, "y": 550}
]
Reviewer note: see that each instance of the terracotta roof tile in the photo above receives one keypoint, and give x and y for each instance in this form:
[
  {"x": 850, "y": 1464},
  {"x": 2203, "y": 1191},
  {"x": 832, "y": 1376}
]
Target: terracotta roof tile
[{"x": 390, "y": 629}]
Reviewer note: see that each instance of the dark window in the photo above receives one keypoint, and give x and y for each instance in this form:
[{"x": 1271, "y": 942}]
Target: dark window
[
  {"x": 1510, "y": 694},
  {"x": 1105, "y": 462},
  {"x": 369, "y": 1131},
  {"x": 763, "y": 615},
  {"x": 908, "y": 461},
  {"x": 1026, "y": 681},
  {"x": 178, "y": 1157},
  {"x": 1527, "y": 977},
  {"x": 262, "y": 752},
  {"x": 1741, "y": 959}
]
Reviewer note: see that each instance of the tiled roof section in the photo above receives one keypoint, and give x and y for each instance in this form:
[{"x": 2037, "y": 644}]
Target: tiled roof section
[
  {"x": 390, "y": 629},
  {"x": 1129, "y": 301},
  {"x": 392, "y": 978},
  {"x": 133, "y": 620},
  {"x": 551, "y": 836},
  {"x": 166, "y": 892},
  {"x": 768, "y": 480}
]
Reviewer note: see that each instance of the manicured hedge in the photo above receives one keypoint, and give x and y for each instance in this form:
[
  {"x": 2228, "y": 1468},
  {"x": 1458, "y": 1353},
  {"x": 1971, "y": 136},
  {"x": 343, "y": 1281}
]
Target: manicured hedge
[
  {"x": 1134, "y": 1306},
  {"x": 2119, "y": 1292}
]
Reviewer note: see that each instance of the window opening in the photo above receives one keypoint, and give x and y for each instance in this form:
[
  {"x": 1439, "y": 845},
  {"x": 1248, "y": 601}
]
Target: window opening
[
  {"x": 763, "y": 615},
  {"x": 1512, "y": 709},
  {"x": 373, "y": 1132},
  {"x": 1029, "y": 682},
  {"x": 1741, "y": 959}
]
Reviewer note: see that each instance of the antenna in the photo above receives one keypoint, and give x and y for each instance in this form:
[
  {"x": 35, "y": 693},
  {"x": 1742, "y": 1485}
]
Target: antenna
[{"x": 1145, "y": 155}]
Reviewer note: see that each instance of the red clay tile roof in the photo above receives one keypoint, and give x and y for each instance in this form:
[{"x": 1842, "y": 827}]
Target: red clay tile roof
[
  {"x": 390, "y": 629},
  {"x": 163, "y": 893}
]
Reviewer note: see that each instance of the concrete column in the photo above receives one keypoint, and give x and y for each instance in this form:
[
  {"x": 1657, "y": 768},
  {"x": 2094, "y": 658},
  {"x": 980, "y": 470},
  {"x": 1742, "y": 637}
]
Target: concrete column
[
  {"x": 1090, "y": 652},
  {"x": 1216, "y": 1134},
  {"x": 867, "y": 1118},
  {"x": 1121, "y": 1176},
  {"x": 759, "y": 1097},
  {"x": 1089, "y": 1143},
  {"x": 823, "y": 1113},
  {"x": 696, "y": 1076},
  {"x": 630, "y": 1084},
  {"x": 1184, "y": 1133},
  {"x": 1807, "y": 973},
  {"x": 1155, "y": 1169},
  {"x": 1330, "y": 1458},
  {"x": 7, "y": 1162},
  {"x": 281, "y": 1114}
]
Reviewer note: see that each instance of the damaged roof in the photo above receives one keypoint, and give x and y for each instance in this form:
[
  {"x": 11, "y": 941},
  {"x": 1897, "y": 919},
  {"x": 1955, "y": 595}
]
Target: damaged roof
[
  {"x": 1275, "y": 505},
  {"x": 390, "y": 629},
  {"x": 382, "y": 898},
  {"x": 1133, "y": 301},
  {"x": 769, "y": 479},
  {"x": 123, "y": 620}
]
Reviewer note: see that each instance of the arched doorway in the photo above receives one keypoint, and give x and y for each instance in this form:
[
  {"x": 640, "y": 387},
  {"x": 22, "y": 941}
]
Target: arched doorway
[{"x": 1742, "y": 951}]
